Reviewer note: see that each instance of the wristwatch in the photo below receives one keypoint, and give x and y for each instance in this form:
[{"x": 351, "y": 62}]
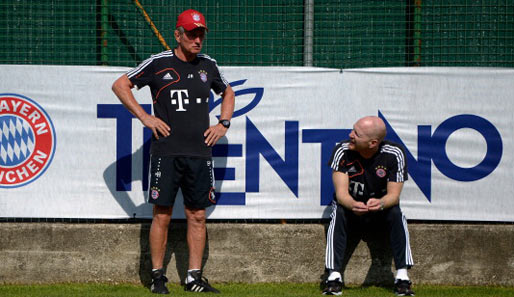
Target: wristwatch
[{"x": 225, "y": 123}]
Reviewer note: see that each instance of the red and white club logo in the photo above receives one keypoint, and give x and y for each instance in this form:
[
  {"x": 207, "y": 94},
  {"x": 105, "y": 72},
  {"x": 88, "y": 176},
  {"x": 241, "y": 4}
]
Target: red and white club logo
[{"x": 27, "y": 140}]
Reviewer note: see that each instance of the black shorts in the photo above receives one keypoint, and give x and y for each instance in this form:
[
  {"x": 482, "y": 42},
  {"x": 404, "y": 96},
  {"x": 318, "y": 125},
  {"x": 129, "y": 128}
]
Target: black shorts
[{"x": 193, "y": 175}]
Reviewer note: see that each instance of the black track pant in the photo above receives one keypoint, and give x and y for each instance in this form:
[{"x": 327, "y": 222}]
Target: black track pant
[{"x": 344, "y": 220}]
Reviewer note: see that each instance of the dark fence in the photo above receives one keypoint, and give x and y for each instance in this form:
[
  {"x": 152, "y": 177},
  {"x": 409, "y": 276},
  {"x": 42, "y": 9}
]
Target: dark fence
[{"x": 337, "y": 34}]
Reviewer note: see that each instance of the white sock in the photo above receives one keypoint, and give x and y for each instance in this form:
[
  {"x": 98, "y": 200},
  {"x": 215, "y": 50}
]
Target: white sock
[
  {"x": 189, "y": 276},
  {"x": 402, "y": 274},
  {"x": 334, "y": 276}
]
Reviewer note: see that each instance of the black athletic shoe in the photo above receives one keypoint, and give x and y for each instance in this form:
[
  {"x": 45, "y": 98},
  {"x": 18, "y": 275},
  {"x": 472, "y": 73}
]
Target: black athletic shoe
[
  {"x": 333, "y": 287},
  {"x": 402, "y": 288},
  {"x": 199, "y": 284},
  {"x": 159, "y": 281}
]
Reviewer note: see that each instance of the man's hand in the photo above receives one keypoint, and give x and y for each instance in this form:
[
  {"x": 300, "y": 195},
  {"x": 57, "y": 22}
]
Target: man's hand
[
  {"x": 359, "y": 208},
  {"x": 375, "y": 204},
  {"x": 156, "y": 125},
  {"x": 122, "y": 87},
  {"x": 214, "y": 133}
]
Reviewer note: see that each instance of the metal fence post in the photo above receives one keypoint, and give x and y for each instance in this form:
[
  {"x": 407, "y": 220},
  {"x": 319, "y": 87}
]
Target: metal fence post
[
  {"x": 104, "y": 27},
  {"x": 308, "y": 20}
]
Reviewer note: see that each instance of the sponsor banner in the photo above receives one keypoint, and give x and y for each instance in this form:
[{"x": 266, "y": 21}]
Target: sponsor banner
[{"x": 69, "y": 149}]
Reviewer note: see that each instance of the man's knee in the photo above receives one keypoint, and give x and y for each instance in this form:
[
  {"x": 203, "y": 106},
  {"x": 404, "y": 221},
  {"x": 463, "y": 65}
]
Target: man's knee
[
  {"x": 395, "y": 211},
  {"x": 394, "y": 215},
  {"x": 162, "y": 215},
  {"x": 196, "y": 216}
]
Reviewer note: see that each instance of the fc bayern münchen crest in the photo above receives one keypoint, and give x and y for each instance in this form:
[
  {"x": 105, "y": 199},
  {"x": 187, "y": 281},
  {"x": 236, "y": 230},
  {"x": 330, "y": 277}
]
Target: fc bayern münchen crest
[
  {"x": 381, "y": 172},
  {"x": 154, "y": 192},
  {"x": 27, "y": 142},
  {"x": 203, "y": 75}
]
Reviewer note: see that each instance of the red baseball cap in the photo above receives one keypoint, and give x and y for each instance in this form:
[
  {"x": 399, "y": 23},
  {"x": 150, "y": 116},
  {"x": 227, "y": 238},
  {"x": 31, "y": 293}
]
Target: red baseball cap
[{"x": 190, "y": 20}]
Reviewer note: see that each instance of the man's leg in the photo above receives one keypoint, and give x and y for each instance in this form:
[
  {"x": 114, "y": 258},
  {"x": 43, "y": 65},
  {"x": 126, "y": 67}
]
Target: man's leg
[
  {"x": 400, "y": 245},
  {"x": 196, "y": 237},
  {"x": 399, "y": 237},
  {"x": 196, "y": 234},
  {"x": 197, "y": 188},
  {"x": 336, "y": 239},
  {"x": 159, "y": 234},
  {"x": 335, "y": 249},
  {"x": 158, "y": 239}
]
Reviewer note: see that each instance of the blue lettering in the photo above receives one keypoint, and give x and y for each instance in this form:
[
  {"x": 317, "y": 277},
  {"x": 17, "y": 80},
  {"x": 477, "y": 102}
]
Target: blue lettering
[
  {"x": 124, "y": 143},
  {"x": 420, "y": 169},
  {"x": 328, "y": 139},
  {"x": 226, "y": 150},
  {"x": 259, "y": 92},
  {"x": 235, "y": 198},
  {"x": 224, "y": 173},
  {"x": 433, "y": 148},
  {"x": 492, "y": 157},
  {"x": 257, "y": 145}
]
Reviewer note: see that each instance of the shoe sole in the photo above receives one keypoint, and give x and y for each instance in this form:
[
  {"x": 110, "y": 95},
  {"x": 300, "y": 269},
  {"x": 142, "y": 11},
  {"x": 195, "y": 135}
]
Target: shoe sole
[
  {"x": 200, "y": 289},
  {"x": 333, "y": 293}
]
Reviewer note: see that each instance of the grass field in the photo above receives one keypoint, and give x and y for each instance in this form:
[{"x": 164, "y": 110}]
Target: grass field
[{"x": 242, "y": 290}]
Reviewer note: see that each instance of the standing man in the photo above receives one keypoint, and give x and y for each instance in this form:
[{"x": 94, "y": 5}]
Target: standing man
[
  {"x": 368, "y": 176},
  {"x": 180, "y": 81}
]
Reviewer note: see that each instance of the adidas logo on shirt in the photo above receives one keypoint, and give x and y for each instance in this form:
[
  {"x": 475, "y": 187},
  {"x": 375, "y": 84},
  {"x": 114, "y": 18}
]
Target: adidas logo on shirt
[
  {"x": 352, "y": 170},
  {"x": 167, "y": 76}
]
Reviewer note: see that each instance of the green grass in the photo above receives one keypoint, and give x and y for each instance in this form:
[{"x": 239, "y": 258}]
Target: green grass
[{"x": 242, "y": 290}]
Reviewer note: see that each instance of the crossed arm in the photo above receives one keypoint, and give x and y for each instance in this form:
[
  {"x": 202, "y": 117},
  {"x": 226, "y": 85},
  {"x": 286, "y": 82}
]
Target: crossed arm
[{"x": 341, "y": 183}]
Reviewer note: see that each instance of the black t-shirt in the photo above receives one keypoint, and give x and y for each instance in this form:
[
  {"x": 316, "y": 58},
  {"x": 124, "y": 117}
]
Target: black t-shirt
[
  {"x": 369, "y": 177},
  {"x": 180, "y": 92}
]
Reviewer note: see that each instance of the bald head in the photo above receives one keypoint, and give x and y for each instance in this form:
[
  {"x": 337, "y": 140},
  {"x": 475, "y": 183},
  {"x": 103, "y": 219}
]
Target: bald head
[{"x": 373, "y": 127}]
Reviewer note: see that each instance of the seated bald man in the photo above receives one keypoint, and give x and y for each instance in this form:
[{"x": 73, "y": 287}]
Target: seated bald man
[{"x": 368, "y": 176}]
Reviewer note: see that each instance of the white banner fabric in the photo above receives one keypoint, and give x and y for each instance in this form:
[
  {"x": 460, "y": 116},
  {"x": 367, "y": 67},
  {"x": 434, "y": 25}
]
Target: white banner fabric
[{"x": 69, "y": 149}]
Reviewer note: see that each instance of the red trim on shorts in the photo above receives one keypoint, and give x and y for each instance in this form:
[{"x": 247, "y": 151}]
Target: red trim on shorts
[{"x": 211, "y": 193}]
